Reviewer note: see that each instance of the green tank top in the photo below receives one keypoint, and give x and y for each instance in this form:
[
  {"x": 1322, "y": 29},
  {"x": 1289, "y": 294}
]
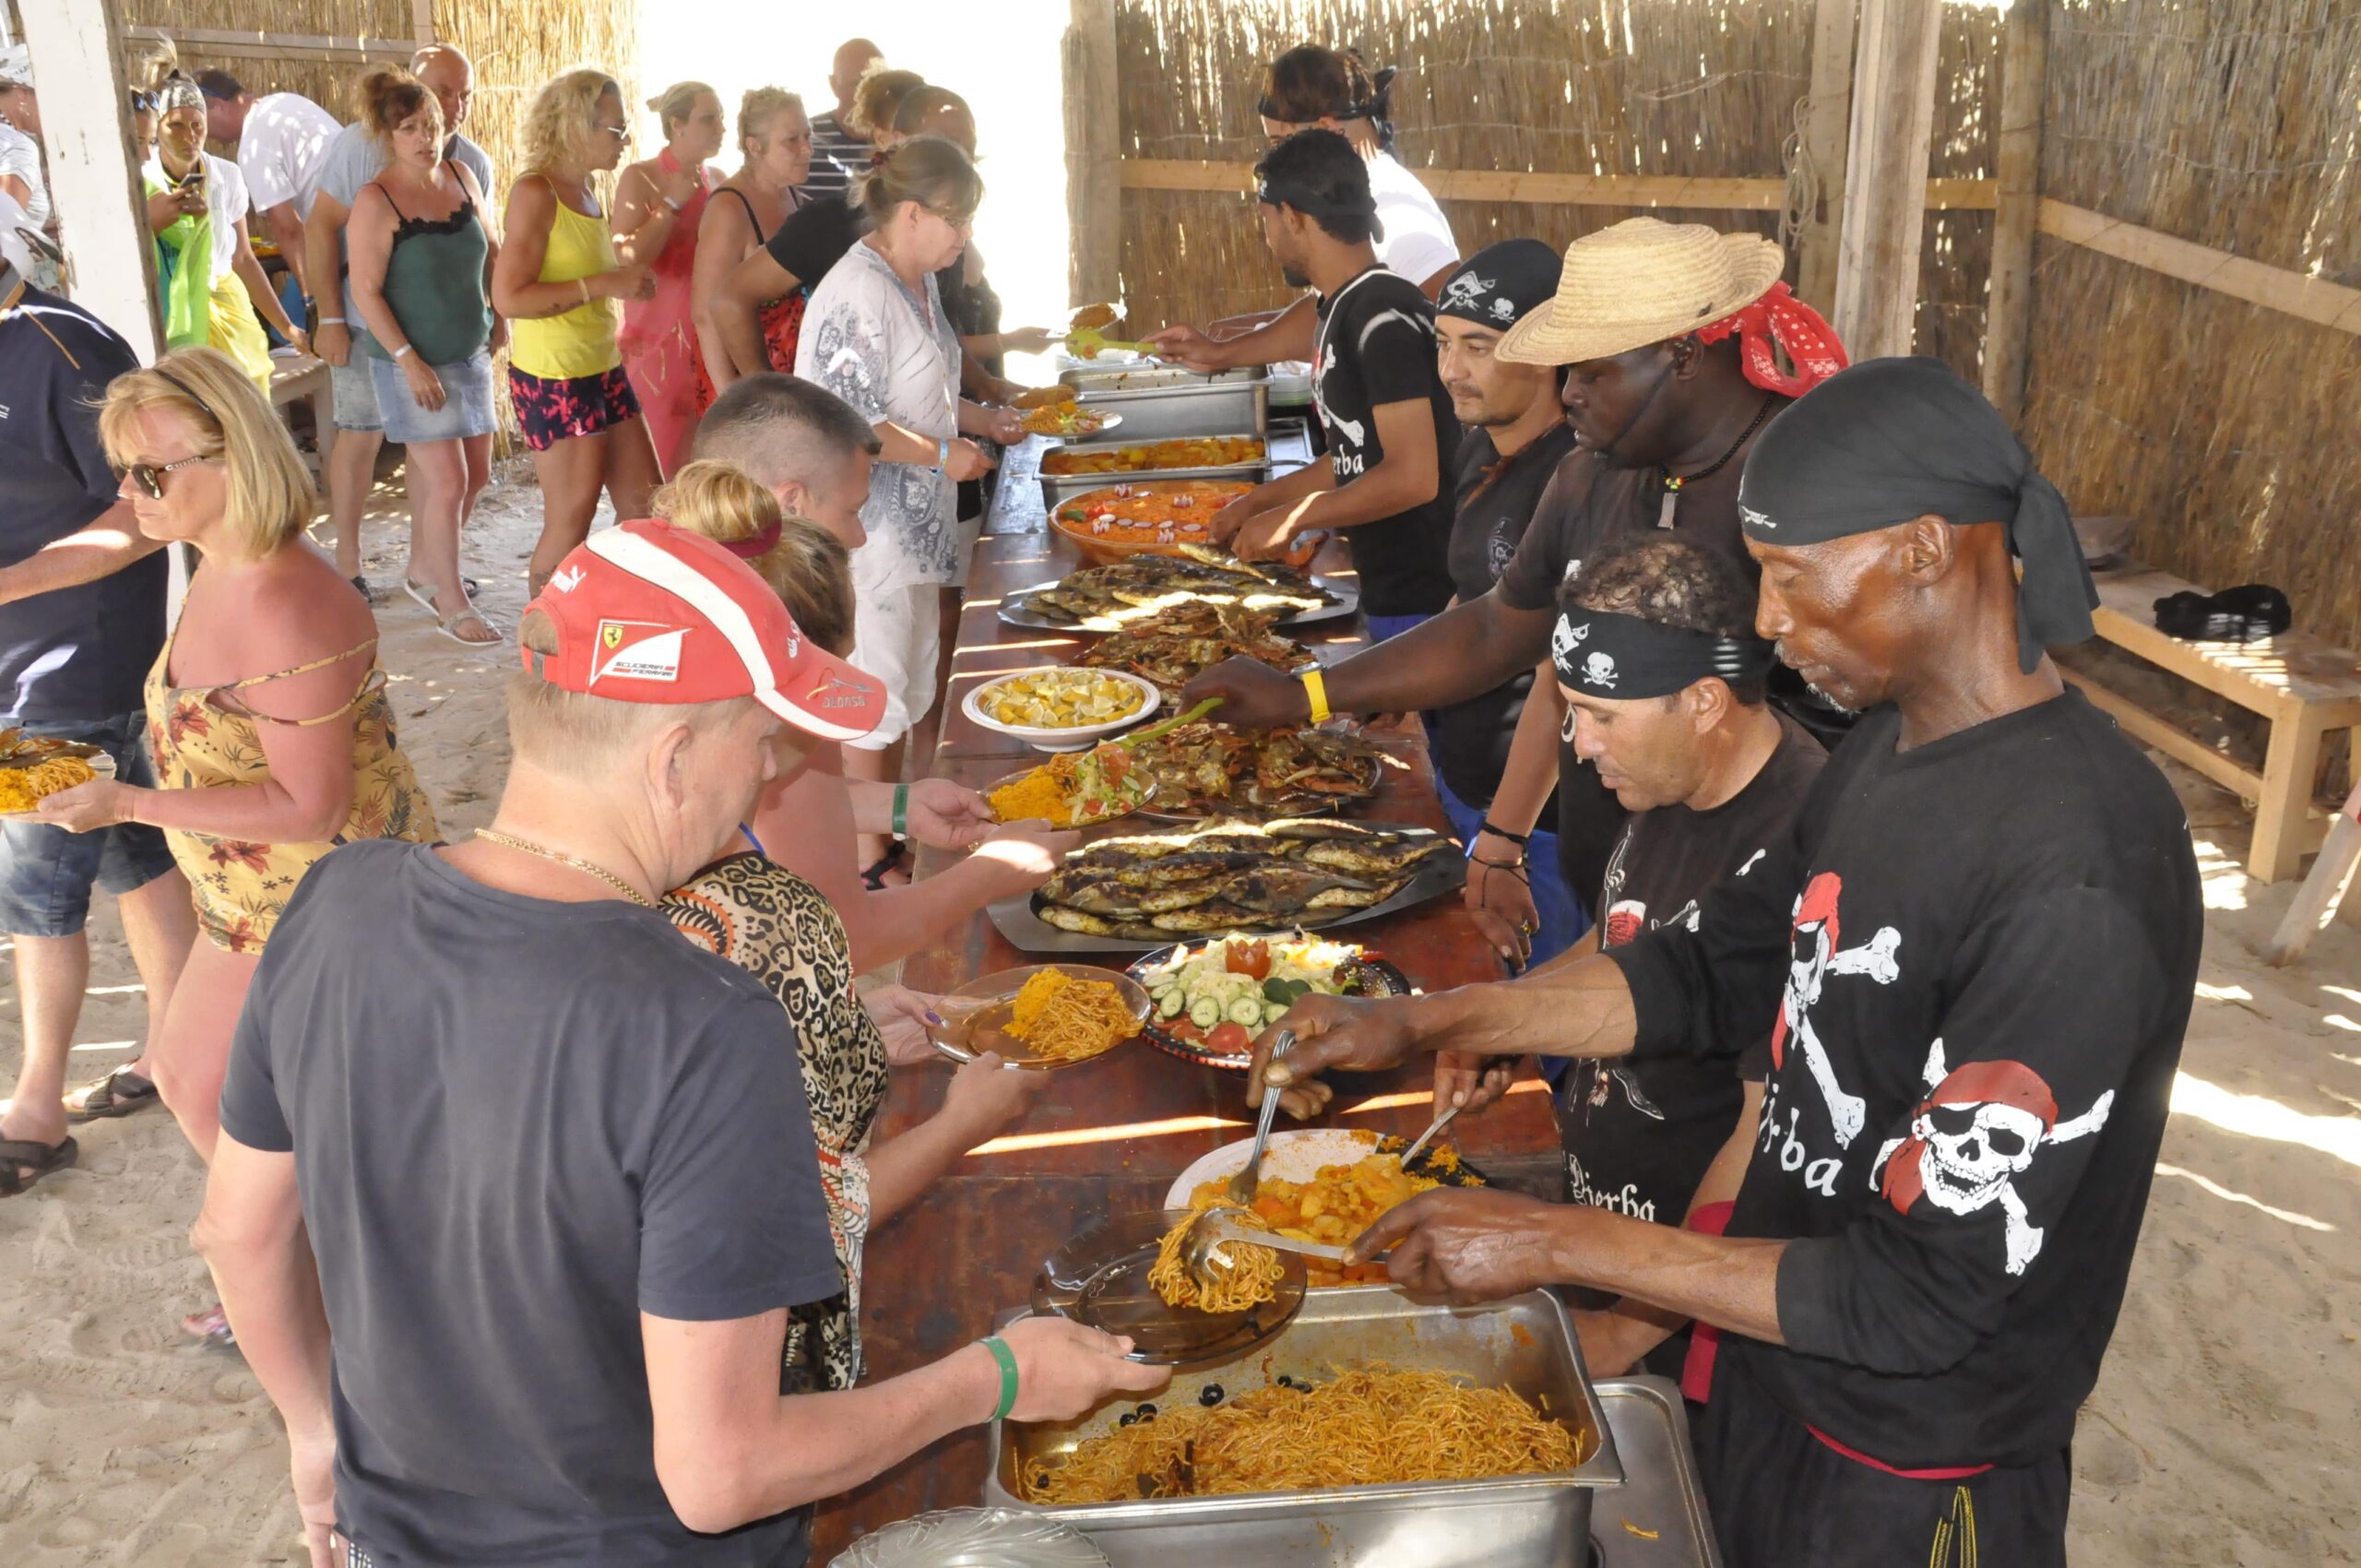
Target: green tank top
[{"x": 434, "y": 283}]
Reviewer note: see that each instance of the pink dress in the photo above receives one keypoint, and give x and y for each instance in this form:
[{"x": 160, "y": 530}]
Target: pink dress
[{"x": 659, "y": 338}]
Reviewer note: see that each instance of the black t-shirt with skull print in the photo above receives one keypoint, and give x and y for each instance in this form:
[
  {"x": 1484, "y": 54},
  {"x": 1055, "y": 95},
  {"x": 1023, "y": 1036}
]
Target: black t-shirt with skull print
[
  {"x": 1639, "y": 1133},
  {"x": 1375, "y": 345},
  {"x": 1492, "y": 502},
  {"x": 1977, "y": 957}
]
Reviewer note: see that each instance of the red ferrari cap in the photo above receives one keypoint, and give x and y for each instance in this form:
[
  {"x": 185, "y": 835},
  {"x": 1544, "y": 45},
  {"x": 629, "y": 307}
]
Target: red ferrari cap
[{"x": 647, "y": 613}]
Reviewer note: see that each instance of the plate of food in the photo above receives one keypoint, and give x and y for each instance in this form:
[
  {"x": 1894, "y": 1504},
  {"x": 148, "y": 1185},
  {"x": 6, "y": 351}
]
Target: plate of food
[
  {"x": 1147, "y": 456},
  {"x": 1073, "y": 789},
  {"x": 1155, "y": 517},
  {"x": 1200, "y": 770},
  {"x": 1108, "y": 1276},
  {"x": 1068, "y": 419},
  {"x": 1214, "y": 997},
  {"x": 1324, "y": 1185},
  {"x": 1149, "y": 585},
  {"x": 33, "y": 768},
  {"x": 1041, "y": 1016},
  {"x": 1170, "y": 650},
  {"x": 1138, "y": 892},
  {"x": 1057, "y": 708}
]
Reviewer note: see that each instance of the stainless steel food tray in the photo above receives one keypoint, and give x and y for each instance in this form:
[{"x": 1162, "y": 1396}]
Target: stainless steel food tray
[
  {"x": 1657, "y": 1519},
  {"x": 1059, "y": 489},
  {"x": 1525, "y": 1344},
  {"x": 1017, "y": 919},
  {"x": 1157, "y": 401}
]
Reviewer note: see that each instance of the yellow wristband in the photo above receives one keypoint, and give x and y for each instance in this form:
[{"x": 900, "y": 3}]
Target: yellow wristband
[{"x": 1315, "y": 686}]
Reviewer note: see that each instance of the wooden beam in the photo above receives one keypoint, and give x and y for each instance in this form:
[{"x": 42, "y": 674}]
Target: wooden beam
[
  {"x": 2008, "y": 316},
  {"x": 1885, "y": 170},
  {"x": 1827, "y": 125},
  {"x": 245, "y": 43},
  {"x": 93, "y": 177},
  {"x": 1548, "y": 189},
  {"x": 1094, "y": 155},
  {"x": 2299, "y": 294}
]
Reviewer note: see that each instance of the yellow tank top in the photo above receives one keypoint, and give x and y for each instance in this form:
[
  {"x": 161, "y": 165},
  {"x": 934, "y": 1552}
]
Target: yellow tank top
[{"x": 581, "y": 342}]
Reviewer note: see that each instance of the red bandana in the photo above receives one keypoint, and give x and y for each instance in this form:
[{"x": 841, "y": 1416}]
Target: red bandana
[{"x": 1779, "y": 317}]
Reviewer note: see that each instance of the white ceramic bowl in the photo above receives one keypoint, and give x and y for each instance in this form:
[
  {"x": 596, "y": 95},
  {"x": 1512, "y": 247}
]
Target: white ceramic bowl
[
  {"x": 1078, "y": 738},
  {"x": 1292, "y": 1155}
]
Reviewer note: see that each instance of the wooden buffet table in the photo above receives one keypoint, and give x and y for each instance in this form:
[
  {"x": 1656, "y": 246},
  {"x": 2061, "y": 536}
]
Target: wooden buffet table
[{"x": 1111, "y": 1134}]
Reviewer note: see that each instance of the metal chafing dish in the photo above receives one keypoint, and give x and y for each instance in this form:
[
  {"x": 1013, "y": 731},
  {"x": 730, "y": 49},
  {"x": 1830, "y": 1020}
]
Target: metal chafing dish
[
  {"x": 1059, "y": 489},
  {"x": 1525, "y": 1344},
  {"x": 1159, "y": 400}
]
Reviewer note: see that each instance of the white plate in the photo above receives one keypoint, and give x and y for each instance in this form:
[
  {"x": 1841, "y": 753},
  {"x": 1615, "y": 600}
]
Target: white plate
[
  {"x": 1081, "y": 737},
  {"x": 1291, "y": 1156}
]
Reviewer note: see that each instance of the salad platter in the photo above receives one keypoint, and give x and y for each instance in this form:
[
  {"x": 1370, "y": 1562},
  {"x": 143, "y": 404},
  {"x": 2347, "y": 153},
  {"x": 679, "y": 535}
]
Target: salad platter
[{"x": 1210, "y": 999}]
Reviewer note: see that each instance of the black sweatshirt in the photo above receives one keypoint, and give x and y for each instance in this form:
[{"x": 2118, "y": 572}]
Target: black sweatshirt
[{"x": 1978, "y": 958}]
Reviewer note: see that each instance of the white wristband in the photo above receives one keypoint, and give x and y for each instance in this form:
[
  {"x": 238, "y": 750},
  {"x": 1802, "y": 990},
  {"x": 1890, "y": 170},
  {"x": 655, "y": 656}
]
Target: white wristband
[
  {"x": 402, "y": 353},
  {"x": 331, "y": 321}
]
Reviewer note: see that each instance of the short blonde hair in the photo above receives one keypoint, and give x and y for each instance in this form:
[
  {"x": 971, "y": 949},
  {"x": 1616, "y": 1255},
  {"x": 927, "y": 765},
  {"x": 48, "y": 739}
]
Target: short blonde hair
[
  {"x": 808, "y": 568},
  {"x": 583, "y": 737},
  {"x": 880, "y": 91},
  {"x": 676, "y": 103},
  {"x": 561, "y": 124},
  {"x": 270, "y": 499},
  {"x": 758, "y": 108}
]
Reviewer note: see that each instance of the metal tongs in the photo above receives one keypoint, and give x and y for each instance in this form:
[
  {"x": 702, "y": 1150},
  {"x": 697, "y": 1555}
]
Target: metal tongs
[
  {"x": 1437, "y": 1125},
  {"x": 1216, "y": 1227},
  {"x": 1199, "y": 1244}
]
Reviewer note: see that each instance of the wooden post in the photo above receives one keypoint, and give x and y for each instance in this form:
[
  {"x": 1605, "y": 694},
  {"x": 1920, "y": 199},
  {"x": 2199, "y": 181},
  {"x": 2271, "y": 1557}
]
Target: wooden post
[
  {"x": 94, "y": 179},
  {"x": 1094, "y": 154},
  {"x": 421, "y": 21},
  {"x": 1826, "y": 129},
  {"x": 1885, "y": 177},
  {"x": 2008, "y": 311}
]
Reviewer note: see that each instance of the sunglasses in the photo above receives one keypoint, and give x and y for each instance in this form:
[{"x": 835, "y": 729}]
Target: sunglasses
[
  {"x": 149, "y": 477},
  {"x": 621, "y": 133}
]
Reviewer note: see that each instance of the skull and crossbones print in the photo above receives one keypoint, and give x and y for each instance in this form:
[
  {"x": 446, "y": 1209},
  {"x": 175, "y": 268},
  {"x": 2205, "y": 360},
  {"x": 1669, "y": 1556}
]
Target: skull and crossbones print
[
  {"x": 1812, "y": 956},
  {"x": 1973, "y": 1134},
  {"x": 1598, "y": 670}
]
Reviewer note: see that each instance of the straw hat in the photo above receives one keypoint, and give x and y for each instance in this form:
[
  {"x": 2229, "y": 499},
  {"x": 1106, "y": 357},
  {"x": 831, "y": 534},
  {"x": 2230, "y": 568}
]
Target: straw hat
[{"x": 1641, "y": 281}]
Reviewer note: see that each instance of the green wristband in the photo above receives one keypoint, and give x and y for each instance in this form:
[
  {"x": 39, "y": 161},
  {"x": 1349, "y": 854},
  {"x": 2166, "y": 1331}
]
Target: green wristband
[
  {"x": 1007, "y": 1360},
  {"x": 901, "y": 810}
]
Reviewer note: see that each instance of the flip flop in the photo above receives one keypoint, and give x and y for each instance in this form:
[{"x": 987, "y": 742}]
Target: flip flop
[
  {"x": 122, "y": 1092},
  {"x": 20, "y": 1156},
  {"x": 372, "y": 595},
  {"x": 425, "y": 595},
  {"x": 212, "y": 1327},
  {"x": 873, "y": 876},
  {"x": 470, "y": 614}
]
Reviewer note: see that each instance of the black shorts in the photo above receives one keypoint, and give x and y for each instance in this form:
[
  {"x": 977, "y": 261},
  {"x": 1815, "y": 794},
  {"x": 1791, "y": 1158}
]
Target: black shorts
[{"x": 1781, "y": 1498}]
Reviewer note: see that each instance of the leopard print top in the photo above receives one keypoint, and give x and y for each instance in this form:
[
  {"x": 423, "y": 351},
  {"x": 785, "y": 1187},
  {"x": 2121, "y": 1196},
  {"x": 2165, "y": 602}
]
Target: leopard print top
[{"x": 778, "y": 928}]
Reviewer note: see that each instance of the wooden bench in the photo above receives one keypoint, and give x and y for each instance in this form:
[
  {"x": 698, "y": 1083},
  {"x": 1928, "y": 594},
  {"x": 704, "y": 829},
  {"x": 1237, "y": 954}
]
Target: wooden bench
[
  {"x": 2303, "y": 685},
  {"x": 303, "y": 378}
]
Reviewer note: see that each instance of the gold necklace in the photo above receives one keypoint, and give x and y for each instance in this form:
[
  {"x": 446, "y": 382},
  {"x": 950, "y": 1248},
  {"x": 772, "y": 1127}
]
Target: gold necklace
[{"x": 527, "y": 846}]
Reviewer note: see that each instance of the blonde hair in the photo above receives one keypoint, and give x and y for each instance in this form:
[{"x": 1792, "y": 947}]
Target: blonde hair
[
  {"x": 930, "y": 171},
  {"x": 390, "y": 95},
  {"x": 585, "y": 737},
  {"x": 270, "y": 498},
  {"x": 880, "y": 91},
  {"x": 757, "y": 110},
  {"x": 147, "y": 61},
  {"x": 676, "y": 103},
  {"x": 560, "y": 125},
  {"x": 808, "y": 568}
]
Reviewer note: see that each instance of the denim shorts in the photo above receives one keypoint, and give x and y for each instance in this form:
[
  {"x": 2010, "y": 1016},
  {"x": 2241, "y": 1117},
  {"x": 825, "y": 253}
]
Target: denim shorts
[
  {"x": 355, "y": 393},
  {"x": 467, "y": 400},
  {"x": 46, "y": 874}
]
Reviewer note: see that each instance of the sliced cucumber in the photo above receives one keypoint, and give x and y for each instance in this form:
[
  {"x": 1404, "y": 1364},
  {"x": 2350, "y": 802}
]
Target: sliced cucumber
[
  {"x": 1205, "y": 1012},
  {"x": 1168, "y": 1005},
  {"x": 1247, "y": 1010},
  {"x": 1273, "y": 1013}
]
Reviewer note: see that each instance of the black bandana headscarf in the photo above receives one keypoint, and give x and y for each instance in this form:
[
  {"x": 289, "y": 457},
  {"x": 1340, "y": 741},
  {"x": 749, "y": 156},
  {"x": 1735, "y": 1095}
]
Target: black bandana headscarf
[
  {"x": 1501, "y": 284},
  {"x": 1890, "y": 440}
]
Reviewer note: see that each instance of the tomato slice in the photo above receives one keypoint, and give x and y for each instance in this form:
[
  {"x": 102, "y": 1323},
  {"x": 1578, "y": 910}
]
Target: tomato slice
[
  {"x": 1185, "y": 1029},
  {"x": 1229, "y": 1039},
  {"x": 1249, "y": 959}
]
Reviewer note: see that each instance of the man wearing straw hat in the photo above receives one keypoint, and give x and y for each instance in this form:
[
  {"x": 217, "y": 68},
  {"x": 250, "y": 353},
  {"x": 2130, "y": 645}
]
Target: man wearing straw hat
[
  {"x": 1975, "y": 951},
  {"x": 555, "y": 1206},
  {"x": 1668, "y": 333}
]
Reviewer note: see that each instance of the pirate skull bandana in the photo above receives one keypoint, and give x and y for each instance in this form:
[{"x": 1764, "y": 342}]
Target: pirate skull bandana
[
  {"x": 1286, "y": 192},
  {"x": 1601, "y": 654},
  {"x": 178, "y": 93},
  {"x": 1498, "y": 285},
  {"x": 1894, "y": 439}
]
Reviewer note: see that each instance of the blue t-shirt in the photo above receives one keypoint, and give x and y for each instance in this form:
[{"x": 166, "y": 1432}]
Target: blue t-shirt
[
  {"x": 518, "y": 1124},
  {"x": 78, "y": 653}
]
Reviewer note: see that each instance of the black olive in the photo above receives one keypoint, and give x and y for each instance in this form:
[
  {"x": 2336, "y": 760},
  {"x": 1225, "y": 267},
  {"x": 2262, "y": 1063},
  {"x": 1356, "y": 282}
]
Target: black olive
[
  {"x": 1146, "y": 1412},
  {"x": 1126, "y": 1419},
  {"x": 1209, "y": 1395},
  {"x": 1286, "y": 1382}
]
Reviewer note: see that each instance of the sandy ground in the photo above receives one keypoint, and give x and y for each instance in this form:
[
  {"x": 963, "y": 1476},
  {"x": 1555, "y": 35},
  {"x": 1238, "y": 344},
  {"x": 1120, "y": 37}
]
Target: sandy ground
[{"x": 2223, "y": 1430}]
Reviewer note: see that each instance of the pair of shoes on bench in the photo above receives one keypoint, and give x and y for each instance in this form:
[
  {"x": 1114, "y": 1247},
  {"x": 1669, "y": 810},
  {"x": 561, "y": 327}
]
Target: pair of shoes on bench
[{"x": 2238, "y": 615}]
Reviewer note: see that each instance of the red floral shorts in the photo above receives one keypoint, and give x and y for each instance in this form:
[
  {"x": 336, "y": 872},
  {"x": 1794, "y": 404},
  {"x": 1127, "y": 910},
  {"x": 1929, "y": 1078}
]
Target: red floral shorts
[{"x": 552, "y": 412}]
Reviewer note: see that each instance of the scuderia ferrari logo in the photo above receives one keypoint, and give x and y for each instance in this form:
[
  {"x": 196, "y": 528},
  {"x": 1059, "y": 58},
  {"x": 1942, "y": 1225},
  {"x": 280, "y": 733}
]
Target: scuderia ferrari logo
[{"x": 638, "y": 650}]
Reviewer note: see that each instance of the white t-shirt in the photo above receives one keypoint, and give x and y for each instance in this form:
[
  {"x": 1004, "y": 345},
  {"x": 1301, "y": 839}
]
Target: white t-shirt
[
  {"x": 1417, "y": 242},
  {"x": 20, "y": 155},
  {"x": 225, "y": 203},
  {"x": 285, "y": 142}
]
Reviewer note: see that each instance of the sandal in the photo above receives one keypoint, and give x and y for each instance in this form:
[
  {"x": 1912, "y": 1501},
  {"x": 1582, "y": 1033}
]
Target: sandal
[
  {"x": 122, "y": 1092},
  {"x": 211, "y": 1325},
  {"x": 24, "y": 1162},
  {"x": 371, "y": 595},
  {"x": 448, "y": 627},
  {"x": 873, "y": 876},
  {"x": 425, "y": 595}
]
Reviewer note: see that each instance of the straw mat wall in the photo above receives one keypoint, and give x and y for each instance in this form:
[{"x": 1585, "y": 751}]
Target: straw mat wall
[
  {"x": 2229, "y": 430},
  {"x": 1675, "y": 87}
]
